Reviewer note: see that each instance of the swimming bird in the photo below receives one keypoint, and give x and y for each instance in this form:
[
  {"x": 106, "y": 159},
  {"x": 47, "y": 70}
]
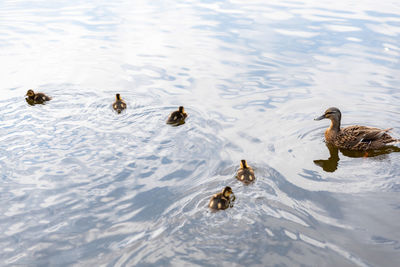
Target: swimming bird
[
  {"x": 119, "y": 104},
  {"x": 36, "y": 98},
  {"x": 177, "y": 117},
  {"x": 245, "y": 174},
  {"x": 222, "y": 200},
  {"x": 354, "y": 137}
]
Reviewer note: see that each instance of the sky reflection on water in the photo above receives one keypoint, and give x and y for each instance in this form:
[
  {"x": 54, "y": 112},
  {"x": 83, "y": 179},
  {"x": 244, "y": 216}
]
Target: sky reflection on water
[{"x": 81, "y": 185}]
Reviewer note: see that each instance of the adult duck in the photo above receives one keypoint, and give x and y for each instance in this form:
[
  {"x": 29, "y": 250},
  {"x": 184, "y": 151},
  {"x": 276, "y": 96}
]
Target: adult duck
[{"x": 354, "y": 137}]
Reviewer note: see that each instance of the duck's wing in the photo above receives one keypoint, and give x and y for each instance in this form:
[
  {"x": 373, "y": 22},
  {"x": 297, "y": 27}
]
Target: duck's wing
[
  {"x": 373, "y": 134},
  {"x": 43, "y": 97},
  {"x": 174, "y": 117},
  {"x": 357, "y": 135}
]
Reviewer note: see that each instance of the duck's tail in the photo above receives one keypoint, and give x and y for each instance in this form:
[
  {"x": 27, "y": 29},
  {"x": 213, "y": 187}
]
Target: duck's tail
[
  {"x": 394, "y": 141},
  {"x": 387, "y": 130}
]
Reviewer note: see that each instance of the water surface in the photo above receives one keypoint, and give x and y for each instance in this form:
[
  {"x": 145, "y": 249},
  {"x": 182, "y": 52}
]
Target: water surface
[{"x": 81, "y": 185}]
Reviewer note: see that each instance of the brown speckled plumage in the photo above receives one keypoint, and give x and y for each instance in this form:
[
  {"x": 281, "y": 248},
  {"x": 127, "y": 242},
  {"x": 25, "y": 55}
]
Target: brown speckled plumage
[
  {"x": 245, "y": 174},
  {"x": 354, "y": 137}
]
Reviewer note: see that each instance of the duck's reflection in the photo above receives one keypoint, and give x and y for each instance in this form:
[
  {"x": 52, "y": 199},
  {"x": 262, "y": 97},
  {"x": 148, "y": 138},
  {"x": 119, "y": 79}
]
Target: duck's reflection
[{"x": 331, "y": 164}]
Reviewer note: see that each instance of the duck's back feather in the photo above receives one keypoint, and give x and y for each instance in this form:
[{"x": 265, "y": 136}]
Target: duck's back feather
[
  {"x": 246, "y": 175},
  {"x": 219, "y": 202},
  {"x": 358, "y": 137},
  {"x": 119, "y": 105},
  {"x": 176, "y": 117}
]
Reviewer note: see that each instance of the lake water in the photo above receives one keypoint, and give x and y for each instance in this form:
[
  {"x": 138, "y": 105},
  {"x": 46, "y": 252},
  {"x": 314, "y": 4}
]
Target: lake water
[{"x": 83, "y": 186}]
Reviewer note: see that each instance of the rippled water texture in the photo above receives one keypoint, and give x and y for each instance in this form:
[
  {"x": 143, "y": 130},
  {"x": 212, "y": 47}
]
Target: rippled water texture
[{"x": 81, "y": 185}]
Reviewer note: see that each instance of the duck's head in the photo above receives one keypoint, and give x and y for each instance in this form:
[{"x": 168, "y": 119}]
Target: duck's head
[
  {"x": 331, "y": 113},
  {"x": 30, "y": 93},
  {"x": 227, "y": 192},
  {"x": 181, "y": 109},
  {"x": 243, "y": 164},
  {"x": 118, "y": 96}
]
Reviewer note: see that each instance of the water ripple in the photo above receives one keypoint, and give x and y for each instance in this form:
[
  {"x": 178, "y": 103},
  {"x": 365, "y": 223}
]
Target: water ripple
[{"x": 82, "y": 185}]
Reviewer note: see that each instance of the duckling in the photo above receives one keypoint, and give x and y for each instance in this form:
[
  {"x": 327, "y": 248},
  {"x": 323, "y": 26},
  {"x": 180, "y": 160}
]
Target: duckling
[
  {"x": 177, "y": 117},
  {"x": 354, "y": 137},
  {"x": 222, "y": 200},
  {"x": 36, "y": 98},
  {"x": 119, "y": 104},
  {"x": 245, "y": 174}
]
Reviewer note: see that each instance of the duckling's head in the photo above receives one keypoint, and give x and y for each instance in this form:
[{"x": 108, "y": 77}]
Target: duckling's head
[
  {"x": 227, "y": 192},
  {"x": 118, "y": 96},
  {"x": 331, "y": 113},
  {"x": 243, "y": 164},
  {"x": 30, "y": 93},
  {"x": 181, "y": 109}
]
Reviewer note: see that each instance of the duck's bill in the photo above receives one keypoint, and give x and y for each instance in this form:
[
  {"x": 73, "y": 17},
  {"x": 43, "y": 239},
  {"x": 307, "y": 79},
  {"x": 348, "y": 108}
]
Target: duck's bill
[{"x": 320, "y": 118}]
